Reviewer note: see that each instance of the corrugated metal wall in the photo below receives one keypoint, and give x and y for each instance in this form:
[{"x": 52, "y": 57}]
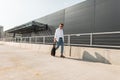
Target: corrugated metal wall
[{"x": 86, "y": 17}]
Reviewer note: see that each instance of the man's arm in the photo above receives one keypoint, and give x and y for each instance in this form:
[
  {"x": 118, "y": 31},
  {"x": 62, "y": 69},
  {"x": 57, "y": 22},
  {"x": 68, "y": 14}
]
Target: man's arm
[{"x": 55, "y": 37}]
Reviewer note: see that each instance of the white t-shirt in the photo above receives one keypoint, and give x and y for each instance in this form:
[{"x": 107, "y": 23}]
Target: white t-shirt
[{"x": 59, "y": 33}]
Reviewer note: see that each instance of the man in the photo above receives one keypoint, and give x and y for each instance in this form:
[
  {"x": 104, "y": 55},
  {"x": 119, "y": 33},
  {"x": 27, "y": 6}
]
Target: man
[{"x": 59, "y": 38}]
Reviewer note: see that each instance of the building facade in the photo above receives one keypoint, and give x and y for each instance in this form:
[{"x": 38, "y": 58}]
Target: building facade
[
  {"x": 90, "y": 16},
  {"x": 1, "y": 32}
]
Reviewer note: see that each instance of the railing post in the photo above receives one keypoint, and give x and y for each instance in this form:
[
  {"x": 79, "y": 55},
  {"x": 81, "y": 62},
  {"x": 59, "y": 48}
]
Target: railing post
[
  {"x": 15, "y": 39},
  {"x": 25, "y": 39},
  {"x": 69, "y": 44},
  {"x": 21, "y": 40},
  {"x": 35, "y": 39},
  {"x": 10, "y": 40},
  {"x": 43, "y": 39},
  {"x": 68, "y": 40},
  {"x": 30, "y": 38},
  {"x": 91, "y": 39}
]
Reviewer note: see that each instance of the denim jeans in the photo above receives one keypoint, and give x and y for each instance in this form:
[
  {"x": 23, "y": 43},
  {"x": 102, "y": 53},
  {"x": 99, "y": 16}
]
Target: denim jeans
[{"x": 60, "y": 43}]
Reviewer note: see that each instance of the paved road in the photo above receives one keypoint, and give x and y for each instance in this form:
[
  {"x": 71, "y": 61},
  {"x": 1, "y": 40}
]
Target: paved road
[{"x": 22, "y": 64}]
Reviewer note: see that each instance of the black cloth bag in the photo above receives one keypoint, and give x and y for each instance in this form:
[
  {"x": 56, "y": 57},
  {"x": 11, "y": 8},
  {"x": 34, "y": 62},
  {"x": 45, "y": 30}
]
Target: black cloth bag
[{"x": 53, "y": 51}]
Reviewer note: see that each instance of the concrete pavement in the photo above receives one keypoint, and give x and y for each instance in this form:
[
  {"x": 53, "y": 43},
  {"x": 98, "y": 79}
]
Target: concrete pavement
[{"x": 25, "y": 64}]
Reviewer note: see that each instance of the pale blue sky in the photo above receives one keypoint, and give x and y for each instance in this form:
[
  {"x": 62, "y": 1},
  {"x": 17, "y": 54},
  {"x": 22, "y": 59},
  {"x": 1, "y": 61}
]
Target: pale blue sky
[{"x": 17, "y": 12}]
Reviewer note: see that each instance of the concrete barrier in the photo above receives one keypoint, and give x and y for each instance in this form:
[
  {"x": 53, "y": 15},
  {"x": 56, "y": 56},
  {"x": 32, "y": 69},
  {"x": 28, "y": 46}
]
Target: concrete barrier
[{"x": 102, "y": 55}]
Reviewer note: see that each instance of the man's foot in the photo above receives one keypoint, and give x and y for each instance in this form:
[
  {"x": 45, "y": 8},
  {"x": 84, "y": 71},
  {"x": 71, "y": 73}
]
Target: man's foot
[
  {"x": 62, "y": 56},
  {"x": 53, "y": 55}
]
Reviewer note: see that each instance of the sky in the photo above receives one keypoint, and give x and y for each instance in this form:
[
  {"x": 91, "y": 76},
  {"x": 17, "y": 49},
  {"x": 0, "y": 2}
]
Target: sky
[{"x": 16, "y": 12}]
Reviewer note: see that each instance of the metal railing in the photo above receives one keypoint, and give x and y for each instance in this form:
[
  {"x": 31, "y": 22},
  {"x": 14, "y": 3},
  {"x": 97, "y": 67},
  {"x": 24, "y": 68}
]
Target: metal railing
[{"x": 102, "y": 39}]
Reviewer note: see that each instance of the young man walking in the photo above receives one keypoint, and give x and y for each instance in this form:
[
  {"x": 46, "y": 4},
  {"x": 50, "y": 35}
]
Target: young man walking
[{"x": 59, "y": 38}]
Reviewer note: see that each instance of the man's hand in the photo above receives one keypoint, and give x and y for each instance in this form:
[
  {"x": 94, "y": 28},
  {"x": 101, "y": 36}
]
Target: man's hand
[{"x": 55, "y": 40}]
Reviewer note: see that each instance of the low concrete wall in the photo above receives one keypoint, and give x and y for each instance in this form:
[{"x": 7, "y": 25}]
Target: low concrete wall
[{"x": 108, "y": 56}]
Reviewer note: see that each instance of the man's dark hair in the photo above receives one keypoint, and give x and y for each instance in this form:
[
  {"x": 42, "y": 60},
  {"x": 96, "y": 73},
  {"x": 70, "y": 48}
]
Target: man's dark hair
[{"x": 62, "y": 24}]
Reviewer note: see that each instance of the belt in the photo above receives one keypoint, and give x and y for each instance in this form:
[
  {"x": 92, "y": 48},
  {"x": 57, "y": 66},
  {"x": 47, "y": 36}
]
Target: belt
[{"x": 60, "y": 37}]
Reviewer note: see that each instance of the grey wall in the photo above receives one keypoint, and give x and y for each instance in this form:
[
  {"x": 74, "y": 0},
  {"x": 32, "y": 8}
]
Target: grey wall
[
  {"x": 86, "y": 17},
  {"x": 107, "y": 17},
  {"x": 53, "y": 20},
  {"x": 80, "y": 18}
]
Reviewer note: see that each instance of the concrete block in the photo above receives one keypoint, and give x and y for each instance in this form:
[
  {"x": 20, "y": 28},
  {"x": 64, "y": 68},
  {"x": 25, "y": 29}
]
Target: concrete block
[
  {"x": 102, "y": 55},
  {"x": 75, "y": 52},
  {"x": 114, "y": 56},
  {"x": 67, "y": 51},
  {"x": 95, "y": 55}
]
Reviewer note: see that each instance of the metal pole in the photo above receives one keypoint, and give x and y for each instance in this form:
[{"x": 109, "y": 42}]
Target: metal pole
[
  {"x": 69, "y": 44},
  {"x": 21, "y": 40},
  {"x": 68, "y": 40},
  {"x": 35, "y": 39},
  {"x": 30, "y": 39},
  {"x": 14, "y": 40},
  {"x": 43, "y": 39},
  {"x": 91, "y": 39}
]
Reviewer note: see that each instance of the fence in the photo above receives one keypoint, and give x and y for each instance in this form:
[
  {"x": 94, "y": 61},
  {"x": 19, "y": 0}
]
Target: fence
[{"x": 103, "y": 39}]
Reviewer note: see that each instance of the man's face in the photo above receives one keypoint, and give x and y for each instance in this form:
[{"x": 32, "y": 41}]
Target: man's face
[{"x": 61, "y": 26}]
